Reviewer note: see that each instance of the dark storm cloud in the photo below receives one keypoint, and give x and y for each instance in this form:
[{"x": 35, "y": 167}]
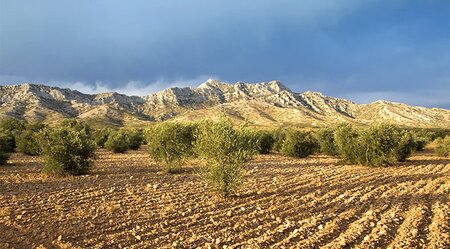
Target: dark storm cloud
[{"x": 349, "y": 48}]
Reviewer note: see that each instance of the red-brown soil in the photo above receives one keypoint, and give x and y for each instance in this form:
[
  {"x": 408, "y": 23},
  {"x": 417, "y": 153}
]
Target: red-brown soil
[{"x": 128, "y": 202}]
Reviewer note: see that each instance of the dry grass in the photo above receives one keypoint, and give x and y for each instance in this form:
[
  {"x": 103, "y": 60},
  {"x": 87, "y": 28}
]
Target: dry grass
[{"x": 295, "y": 203}]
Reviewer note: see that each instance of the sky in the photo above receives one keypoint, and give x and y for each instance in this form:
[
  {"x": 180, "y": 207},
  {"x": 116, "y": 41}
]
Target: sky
[{"x": 363, "y": 50}]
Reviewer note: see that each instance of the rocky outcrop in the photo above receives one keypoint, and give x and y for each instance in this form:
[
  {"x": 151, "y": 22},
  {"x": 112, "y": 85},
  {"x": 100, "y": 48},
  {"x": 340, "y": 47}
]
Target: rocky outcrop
[{"x": 265, "y": 103}]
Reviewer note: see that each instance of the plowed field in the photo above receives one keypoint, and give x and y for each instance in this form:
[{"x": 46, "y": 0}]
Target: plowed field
[{"x": 127, "y": 202}]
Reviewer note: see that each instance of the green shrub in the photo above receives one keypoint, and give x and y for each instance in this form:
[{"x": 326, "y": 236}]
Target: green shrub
[
  {"x": 135, "y": 139},
  {"x": 347, "y": 144},
  {"x": 225, "y": 150},
  {"x": 10, "y": 141},
  {"x": 442, "y": 146},
  {"x": 117, "y": 141},
  {"x": 170, "y": 143},
  {"x": 265, "y": 141},
  {"x": 4, "y": 146},
  {"x": 101, "y": 136},
  {"x": 407, "y": 145},
  {"x": 12, "y": 124},
  {"x": 420, "y": 143},
  {"x": 383, "y": 145},
  {"x": 11, "y": 127},
  {"x": 299, "y": 144},
  {"x": 278, "y": 137},
  {"x": 377, "y": 145},
  {"x": 67, "y": 149},
  {"x": 27, "y": 141},
  {"x": 325, "y": 140}
]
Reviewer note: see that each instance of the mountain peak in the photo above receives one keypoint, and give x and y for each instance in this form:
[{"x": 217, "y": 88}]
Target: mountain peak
[{"x": 266, "y": 103}]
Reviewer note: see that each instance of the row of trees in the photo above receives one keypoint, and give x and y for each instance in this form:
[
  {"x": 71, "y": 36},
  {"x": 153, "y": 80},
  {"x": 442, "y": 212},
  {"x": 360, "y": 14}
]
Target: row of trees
[{"x": 69, "y": 147}]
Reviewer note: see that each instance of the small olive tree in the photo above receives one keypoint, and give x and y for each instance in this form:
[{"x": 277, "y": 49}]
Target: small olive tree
[
  {"x": 4, "y": 155},
  {"x": 325, "y": 140},
  {"x": 442, "y": 146},
  {"x": 101, "y": 136},
  {"x": 170, "y": 143},
  {"x": 225, "y": 150},
  {"x": 67, "y": 149},
  {"x": 135, "y": 139},
  {"x": 376, "y": 145},
  {"x": 265, "y": 141},
  {"x": 406, "y": 144},
  {"x": 278, "y": 135},
  {"x": 299, "y": 144},
  {"x": 27, "y": 141},
  {"x": 347, "y": 143},
  {"x": 382, "y": 145},
  {"x": 11, "y": 127},
  {"x": 117, "y": 141}
]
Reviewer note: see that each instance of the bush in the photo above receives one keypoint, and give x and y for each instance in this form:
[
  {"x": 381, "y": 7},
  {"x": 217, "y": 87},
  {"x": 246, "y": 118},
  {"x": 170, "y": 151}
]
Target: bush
[
  {"x": 442, "y": 146},
  {"x": 298, "y": 144},
  {"x": 377, "y": 145},
  {"x": 135, "y": 139},
  {"x": 101, "y": 136},
  {"x": 407, "y": 145},
  {"x": 383, "y": 145},
  {"x": 347, "y": 144},
  {"x": 11, "y": 127},
  {"x": 4, "y": 155},
  {"x": 278, "y": 137},
  {"x": 9, "y": 140},
  {"x": 170, "y": 143},
  {"x": 325, "y": 140},
  {"x": 117, "y": 141},
  {"x": 225, "y": 150},
  {"x": 67, "y": 149},
  {"x": 265, "y": 141},
  {"x": 12, "y": 124},
  {"x": 420, "y": 142},
  {"x": 27, "y": 141}
]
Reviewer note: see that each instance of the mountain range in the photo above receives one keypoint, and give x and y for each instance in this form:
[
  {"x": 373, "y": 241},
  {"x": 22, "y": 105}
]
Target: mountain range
[{"x": 260, "y": 104}]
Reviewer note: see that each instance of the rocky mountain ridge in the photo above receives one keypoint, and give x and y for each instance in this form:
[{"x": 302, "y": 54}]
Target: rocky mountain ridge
[{"x": 265, "y": 104}]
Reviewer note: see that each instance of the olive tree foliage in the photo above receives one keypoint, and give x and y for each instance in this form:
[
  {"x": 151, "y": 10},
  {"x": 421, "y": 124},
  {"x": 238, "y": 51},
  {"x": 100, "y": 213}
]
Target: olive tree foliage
[
  {"x": 11, "y": 127},
  {"x": 170, "y": 143},
  {"x": 325, "y": 141},
  {"x": 101, "y": 136},
  {"x": 406, "y": 144},
  {"x": 27, "y": 141},
  {"x": 347, "y": 143},
  {"x": 442, "y": 146},
  {"x": 135, "y": 138},
  {"x": 4, "y": 147},
  {"x": 382, "y": 145},
  {"x": 265, "y": 141},
  {"x": 376, "y": 145},
  {"x": 278, "y": 137},
  {"x": 225, "y": 150},
  {"x": 67, "y": 149},
  {"x": 117, "y": 141},
  {"x": 298, "y": 144}
]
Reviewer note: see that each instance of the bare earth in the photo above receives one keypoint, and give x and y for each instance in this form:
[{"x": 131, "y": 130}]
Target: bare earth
[{"x": 285, "y": 203}]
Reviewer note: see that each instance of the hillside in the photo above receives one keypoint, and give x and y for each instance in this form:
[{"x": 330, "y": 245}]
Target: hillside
[{"x": 262, "y": 104}]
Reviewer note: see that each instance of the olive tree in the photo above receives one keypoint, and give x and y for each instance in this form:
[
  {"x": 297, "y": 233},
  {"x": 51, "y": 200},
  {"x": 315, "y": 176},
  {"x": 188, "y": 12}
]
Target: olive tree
[
  {"x": 442, "y": 146},
  {"x": 27, "y": 141},
  {"x": 4, "y": 155},
  {"x": 170, "y": 143},
  {"x": 325, "y": 140},
  {"x": 225, "y": 150},
  {"x": 298, "y": 144},
  {"x": 67, "y": 149}
]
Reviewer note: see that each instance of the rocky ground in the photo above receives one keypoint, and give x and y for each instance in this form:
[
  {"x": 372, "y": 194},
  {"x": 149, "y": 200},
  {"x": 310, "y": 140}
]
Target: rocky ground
[{"x": 127, "y": 202}]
